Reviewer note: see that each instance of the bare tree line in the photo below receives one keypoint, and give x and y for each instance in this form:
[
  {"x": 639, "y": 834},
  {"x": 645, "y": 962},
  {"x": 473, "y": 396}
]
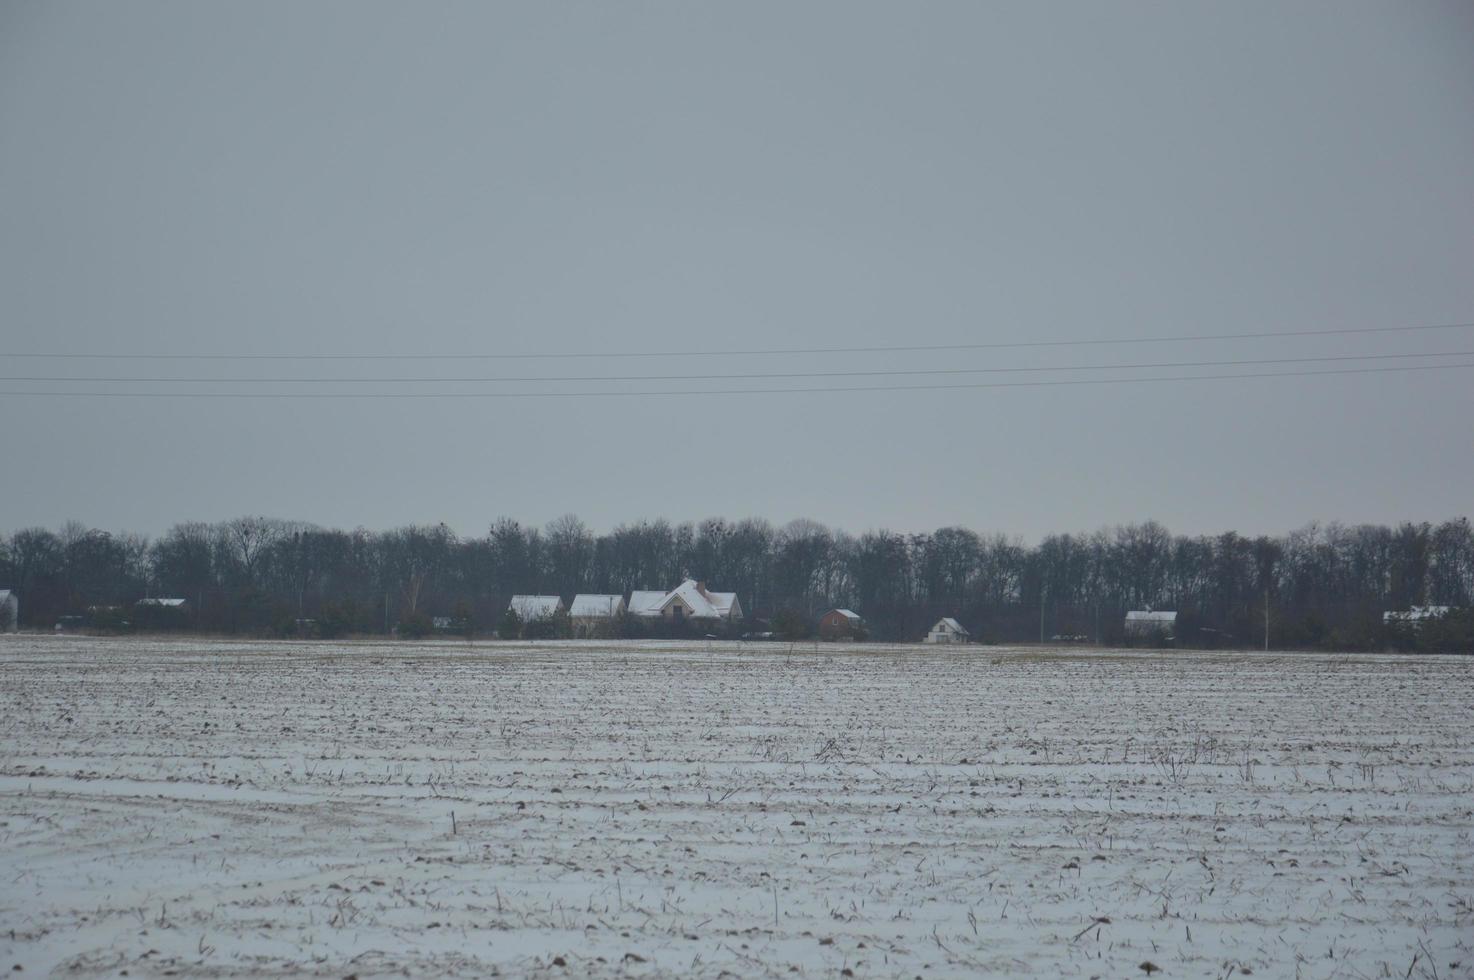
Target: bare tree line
[{"x": 1323, "y": 585}]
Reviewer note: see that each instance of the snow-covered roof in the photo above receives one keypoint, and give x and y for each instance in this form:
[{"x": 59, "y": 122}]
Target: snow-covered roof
[
  {"x": 696, "y": 600},
  {"x": 849, "y": 614},
  {"x": 591, "y": 606},
  {"x": 165, "y": 603},
  {"x": 646, "y": 602},
  {"x": 700, "y": 602},
  {"x": 1150, "y": 616},
  {"x": 722, "y": 602},
  {"x": 1415, "y": 614},
  {"x": 530, "y": 607},
  {"x": 952, "y": 625}
]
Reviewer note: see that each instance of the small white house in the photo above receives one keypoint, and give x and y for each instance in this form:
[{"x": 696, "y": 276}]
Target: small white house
[
  {"x": 1151, "y": 623},
  {"x": 532, "y": 607},
  {"x": 645, "y": 603},
  {"x": 594, "y": 614},
  {"x": 947, "y": 631},
  {"x": 590, "y": 606},
  {"x": 9, "y": 611}
]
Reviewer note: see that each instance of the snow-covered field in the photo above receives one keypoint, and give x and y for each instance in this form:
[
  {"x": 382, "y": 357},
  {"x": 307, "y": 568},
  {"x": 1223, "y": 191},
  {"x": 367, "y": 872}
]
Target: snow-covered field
[{"x": 209, "y": 808}]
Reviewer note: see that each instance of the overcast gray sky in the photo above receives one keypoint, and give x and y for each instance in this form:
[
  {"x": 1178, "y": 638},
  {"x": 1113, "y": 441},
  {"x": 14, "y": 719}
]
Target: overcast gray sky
[{"x": 596, "y": 177}]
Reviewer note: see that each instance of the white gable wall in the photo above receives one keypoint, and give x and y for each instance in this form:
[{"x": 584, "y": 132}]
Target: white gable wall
[{"x": 947, "y": 631}]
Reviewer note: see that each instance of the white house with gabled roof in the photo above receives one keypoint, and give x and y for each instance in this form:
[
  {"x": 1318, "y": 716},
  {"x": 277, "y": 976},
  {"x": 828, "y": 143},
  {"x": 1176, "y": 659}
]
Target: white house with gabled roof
[
  {"x": 533, "y": 607},
  {"x": 593, "y": 615},
  {"x": 646, "y": 603},
  {"x": 588, "y": 606},
  {"x": 947, "y": 631},
  {"x": 691, "y": 600}
]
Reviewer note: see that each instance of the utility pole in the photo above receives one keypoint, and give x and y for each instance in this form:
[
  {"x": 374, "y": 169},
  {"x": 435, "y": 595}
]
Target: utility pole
[
  {"x": 301, "y": 571},
  {"x": 1266, "y": 620},
  {"x": 1041, "y": 614}
]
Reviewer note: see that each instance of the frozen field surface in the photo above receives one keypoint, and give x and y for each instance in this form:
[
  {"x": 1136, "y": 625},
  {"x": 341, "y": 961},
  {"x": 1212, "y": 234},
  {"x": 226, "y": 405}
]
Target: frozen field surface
[{"x": 223, "y": 809}]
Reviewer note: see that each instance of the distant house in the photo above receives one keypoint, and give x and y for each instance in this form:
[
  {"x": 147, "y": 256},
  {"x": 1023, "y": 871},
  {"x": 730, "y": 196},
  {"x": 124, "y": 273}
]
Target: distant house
[
  {"x": 1415, "y": 617},
  {"x": 589, "y": 606},
  {"x": 9, "y": 611},
  {"x": 530, "y": 608},
  {"x": 1150, "y": 624},
  {"x": 840, "y": 624},
  {"x": 161, "y": 604},
  {"x": 691, "y": 600},
  {"x": 594, "y": 614},
  {"x": 645, "y": 604},
  {"x": 158, "y": 613},
  {"x": 947, "y": 631}
]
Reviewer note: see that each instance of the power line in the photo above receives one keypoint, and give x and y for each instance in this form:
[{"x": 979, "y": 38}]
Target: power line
[
  {"x": 742, "y": 377},
  {"x": 727, "y": 391},
  {"x": 759, "y": 352}
]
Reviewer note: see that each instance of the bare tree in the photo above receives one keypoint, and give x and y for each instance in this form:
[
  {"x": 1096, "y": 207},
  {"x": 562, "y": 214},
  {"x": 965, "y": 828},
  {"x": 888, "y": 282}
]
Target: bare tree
[{"x": 248, "y": 538}]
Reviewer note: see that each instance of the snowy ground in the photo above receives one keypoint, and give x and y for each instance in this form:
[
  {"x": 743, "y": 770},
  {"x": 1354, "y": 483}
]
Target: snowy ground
[{"x": 216, "y": 809}]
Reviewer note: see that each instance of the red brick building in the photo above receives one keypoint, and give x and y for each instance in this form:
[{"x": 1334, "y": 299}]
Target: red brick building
[{"x": 841, "y": 624}]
